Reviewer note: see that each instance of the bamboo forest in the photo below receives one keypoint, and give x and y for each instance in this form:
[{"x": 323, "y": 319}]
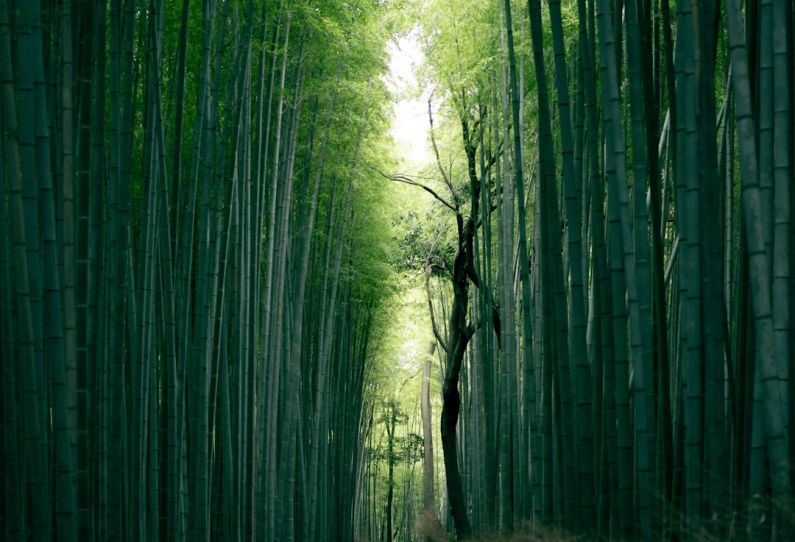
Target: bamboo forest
[{"x": 397, "y": 270}]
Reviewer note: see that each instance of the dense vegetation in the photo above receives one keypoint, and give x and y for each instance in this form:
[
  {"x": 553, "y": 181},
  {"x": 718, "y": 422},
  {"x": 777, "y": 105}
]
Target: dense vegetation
[
  {"x": 192, "y": 274},
  {"x": 618, "y": 175},
  {"x": 201, "y": 243}
]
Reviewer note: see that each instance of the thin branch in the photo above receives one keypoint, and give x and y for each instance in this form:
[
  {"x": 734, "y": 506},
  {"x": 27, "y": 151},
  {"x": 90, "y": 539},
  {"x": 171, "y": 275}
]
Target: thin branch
[
  {"x": 436, "y": 152},
  {"x": 493, "y": 158},
  {"x": 402, "y": 178},
  {"x": 428, "y": 270},
  {"x": 435, "y": 327},
  {"x": 406, "y": 381},
  {"x": 492, "y": 208}
]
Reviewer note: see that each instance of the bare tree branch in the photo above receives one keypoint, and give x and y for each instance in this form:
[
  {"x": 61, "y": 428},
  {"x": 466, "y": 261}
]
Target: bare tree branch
[
  {"x": 428, "y": 270},
  {"x": 436, "y": 153},
  {"x": 402, "y": 178},
  {"x": 429, "y": 294}
]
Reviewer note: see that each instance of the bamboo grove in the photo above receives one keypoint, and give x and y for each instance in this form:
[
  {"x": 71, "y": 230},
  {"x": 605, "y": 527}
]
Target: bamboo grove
[
  {"x": 611, "y": 286},
  {"x": 197, "y": 273},
  {"x": 191, "y": 270}
]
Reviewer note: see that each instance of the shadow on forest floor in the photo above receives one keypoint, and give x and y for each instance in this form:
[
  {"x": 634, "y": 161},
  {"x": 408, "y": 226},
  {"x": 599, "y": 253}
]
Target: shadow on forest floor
[
  {"x": 429, "y": 527},
  {"x": 763, "y": 519}
]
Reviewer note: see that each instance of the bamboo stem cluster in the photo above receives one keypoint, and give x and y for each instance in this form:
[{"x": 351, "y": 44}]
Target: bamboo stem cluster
[
  {"x": 189, "y": 301},
  {"x": 640, "y": 384}
]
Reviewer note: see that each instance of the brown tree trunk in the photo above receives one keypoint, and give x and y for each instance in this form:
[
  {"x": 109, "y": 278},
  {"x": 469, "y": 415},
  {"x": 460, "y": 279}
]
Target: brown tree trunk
[{"x": 459, "y": 335}]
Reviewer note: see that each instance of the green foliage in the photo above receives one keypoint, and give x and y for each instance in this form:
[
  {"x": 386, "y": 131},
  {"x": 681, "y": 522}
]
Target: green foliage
[
  {"x": 461, "y": 43},
  {"x": 406, "y": 448},
  {"x": 423, "y": 240}
]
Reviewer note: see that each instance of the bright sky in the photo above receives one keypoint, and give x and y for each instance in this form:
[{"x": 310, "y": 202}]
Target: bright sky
[
  {"x": 410, "y": 125},
  {"x": 410, "y": 131}
]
